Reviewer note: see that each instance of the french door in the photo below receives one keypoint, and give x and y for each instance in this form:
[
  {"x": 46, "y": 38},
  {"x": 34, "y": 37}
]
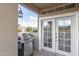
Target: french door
[
  {"x": 47, "y": 34},
  {"x": 64, "y": 39},
  {"x": 59, "y": 37}
]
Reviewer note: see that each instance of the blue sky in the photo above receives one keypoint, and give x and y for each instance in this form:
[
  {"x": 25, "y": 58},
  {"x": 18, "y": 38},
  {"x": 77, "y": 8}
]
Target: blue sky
[{"x": 29, "y": 18}]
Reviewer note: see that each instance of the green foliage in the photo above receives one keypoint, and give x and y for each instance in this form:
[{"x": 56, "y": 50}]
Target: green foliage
[
  {"x": 35, "y": 30},
  {"x": 29, "y": 29},
  {"x": 18, "y": 30}
]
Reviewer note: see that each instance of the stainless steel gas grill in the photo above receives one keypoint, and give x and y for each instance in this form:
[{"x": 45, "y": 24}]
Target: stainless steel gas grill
[{"x": 25, "y": 47}]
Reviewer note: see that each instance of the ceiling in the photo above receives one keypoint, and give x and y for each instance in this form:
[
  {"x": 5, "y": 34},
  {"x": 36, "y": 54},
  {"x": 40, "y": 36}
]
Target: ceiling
[
  {"x": 46, "y": 5},
  {"x": 41, "y": 6}
]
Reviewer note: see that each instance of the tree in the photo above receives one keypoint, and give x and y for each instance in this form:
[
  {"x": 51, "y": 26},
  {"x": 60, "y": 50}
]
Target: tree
[
  {"x": 18, "y": 30},
  {"x": 29, "y": 29},
  {"x": 35, "y": 30}
]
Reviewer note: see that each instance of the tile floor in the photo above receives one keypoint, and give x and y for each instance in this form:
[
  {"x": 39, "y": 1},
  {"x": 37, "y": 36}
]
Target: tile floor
[{"x": 45, "y": 53}]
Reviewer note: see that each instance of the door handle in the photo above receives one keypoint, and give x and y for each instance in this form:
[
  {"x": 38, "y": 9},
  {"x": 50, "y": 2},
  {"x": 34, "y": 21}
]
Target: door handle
[{"x": 56, "y": 37}]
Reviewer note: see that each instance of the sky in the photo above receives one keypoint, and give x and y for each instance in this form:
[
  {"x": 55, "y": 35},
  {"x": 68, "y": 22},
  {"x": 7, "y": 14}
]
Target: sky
[{"x": 29, "y": 18}]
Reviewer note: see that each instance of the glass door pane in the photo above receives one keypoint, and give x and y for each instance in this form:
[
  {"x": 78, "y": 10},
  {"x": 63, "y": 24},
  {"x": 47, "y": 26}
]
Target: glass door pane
[
  {"x": 64, "y": 35},
  {"x": 67, "y": 35},
  {"x": 47, "y": 29},
  {"x": 61, "y": 34}
]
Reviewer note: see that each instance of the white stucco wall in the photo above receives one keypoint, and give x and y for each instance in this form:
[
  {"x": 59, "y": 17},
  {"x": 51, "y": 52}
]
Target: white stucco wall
[{"x": 8, "y": 25}]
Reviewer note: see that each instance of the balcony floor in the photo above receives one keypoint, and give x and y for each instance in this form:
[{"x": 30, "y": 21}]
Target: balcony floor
[{"x": 45, "y": 53}]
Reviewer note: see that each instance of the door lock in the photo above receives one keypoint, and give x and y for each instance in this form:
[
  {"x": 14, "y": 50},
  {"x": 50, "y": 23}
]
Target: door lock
[{"x": 56, "y": 37}]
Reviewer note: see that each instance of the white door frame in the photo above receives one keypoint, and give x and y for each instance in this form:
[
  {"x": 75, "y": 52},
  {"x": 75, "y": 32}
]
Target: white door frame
[
  {"x": 72, "y": 18},
  {"x": 53, "y": 35},
  {"x": 76, "y": 41}
]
